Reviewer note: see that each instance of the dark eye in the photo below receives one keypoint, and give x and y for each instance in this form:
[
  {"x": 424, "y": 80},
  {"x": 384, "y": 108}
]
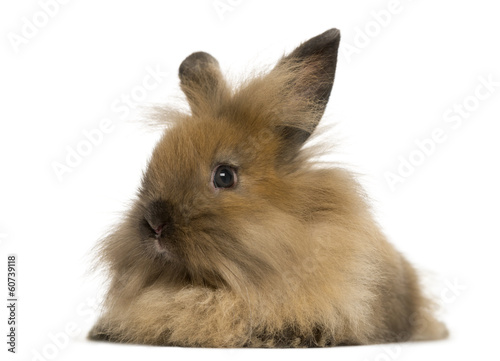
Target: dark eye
[{"x": 224, "y": 177}]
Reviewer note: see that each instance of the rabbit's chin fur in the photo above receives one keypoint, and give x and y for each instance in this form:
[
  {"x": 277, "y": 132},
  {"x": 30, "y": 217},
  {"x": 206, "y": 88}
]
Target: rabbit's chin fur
[{"x": 288, "y": 257}]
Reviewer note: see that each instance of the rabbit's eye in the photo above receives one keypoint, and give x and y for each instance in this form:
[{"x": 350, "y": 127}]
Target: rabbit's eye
[{"x": 224, "y": 177}]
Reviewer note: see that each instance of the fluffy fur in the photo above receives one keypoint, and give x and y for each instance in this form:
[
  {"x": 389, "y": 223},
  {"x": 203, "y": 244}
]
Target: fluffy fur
[{"x": 288, "y": 257}]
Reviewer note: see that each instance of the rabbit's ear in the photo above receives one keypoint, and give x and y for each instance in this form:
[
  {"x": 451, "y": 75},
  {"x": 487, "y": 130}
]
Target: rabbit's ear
[
  {"x": 203, "y": 83},
  {"x": 312, "y": 66}
]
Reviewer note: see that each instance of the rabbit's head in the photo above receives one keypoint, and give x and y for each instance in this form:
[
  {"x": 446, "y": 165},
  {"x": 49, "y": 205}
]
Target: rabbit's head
[{"x": 225, "y": 196}]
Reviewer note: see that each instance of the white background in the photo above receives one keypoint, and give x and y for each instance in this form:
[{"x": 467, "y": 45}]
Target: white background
[{"x": 394, "y": 88}]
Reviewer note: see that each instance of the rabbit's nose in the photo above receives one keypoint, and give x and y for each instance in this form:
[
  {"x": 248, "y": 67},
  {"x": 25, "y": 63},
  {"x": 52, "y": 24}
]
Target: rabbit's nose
[
  {"x": 158, "y": 229},
  {"x": 159, "y": 216}
]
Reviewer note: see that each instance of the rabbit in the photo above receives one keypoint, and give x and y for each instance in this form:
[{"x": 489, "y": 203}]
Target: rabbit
[{"x": 238, "y": 238}]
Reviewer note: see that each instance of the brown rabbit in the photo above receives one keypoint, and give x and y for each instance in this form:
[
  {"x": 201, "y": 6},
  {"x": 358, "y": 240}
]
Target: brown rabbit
[{"x": 237, "y": 239}]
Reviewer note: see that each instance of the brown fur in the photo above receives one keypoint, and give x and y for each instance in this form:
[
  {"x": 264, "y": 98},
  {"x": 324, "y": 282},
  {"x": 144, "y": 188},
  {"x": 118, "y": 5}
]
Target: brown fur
[{"x": 289, "y": 257}]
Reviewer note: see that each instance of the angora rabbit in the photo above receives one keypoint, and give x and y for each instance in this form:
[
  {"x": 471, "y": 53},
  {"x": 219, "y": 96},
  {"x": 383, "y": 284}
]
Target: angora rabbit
[{"x": 238, "y": 239}]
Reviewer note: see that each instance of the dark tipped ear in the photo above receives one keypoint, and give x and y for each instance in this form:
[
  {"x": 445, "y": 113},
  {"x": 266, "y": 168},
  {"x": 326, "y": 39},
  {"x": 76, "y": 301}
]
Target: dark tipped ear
[
  {"x": 202, "y": 82},
  {"x": 313, "y": 64},
  {"x": 320, "y": 55}
]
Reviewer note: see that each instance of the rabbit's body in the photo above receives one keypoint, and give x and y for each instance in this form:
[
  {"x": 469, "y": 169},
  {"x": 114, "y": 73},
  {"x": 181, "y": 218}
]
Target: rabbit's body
[{"x": 238, "y": 239}]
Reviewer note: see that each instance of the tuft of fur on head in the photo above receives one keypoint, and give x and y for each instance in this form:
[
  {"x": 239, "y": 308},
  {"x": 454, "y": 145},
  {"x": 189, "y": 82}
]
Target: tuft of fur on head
[{"x": 288, "y": 255}]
